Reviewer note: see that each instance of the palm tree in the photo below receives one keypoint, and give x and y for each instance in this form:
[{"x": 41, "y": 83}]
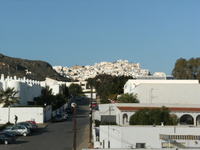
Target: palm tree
[{"x": 7, "y": 98}]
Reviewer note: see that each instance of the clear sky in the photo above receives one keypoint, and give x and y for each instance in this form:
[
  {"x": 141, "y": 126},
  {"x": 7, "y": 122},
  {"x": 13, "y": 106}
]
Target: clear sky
[{"x": 154, "y": 33}]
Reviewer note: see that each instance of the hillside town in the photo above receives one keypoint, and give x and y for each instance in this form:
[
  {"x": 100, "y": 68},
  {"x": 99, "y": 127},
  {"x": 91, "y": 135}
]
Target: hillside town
[
  {"x": 118, "y": 68},
  {"x": 122, "y": 107},
  {"x": 99, "y": 75}
]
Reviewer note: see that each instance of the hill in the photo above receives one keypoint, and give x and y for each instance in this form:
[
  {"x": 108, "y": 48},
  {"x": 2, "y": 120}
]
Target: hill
[{"x": 31, "y": 69}]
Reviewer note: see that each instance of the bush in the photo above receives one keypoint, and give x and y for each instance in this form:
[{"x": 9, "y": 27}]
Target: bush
[
  {"x": 153, "y": 117},
  {"x": 128, "y": 98}
]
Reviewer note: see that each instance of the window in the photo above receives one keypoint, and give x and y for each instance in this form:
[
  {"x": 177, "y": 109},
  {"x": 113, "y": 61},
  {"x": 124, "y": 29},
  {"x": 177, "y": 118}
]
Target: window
[{"x": 140, "y": 145}]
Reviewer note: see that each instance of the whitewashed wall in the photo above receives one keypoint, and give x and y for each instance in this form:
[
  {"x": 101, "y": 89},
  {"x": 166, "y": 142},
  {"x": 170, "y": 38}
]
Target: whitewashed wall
[
  {"x": 23, "y": 114},
  {"x": 165, "y": 91},
  {"x": 127, "y": 137},
  {"x": 27, "y": 89}
]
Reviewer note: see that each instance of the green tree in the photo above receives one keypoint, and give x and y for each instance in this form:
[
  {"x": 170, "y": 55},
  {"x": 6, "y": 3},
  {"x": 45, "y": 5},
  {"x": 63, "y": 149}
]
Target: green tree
[
  {"x": 128, "y": 98},
  {"x": 65, "y": 91},
  {"x": 8, "y": 97},
  {"x": 153, "y": 117},
  {"x": 107, "y": 86},
  {"x": 187, "y": 69},
  {"x": 104, "y": 101},
  {"x": 47, "y": 98},
  {"x": 75, "y": 90}
]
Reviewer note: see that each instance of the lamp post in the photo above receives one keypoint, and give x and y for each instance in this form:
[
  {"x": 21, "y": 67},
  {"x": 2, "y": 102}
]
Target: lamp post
[
  {"x": 45, "y": 112},
  {"x": 9, "y": 114},
  {"x": 73, "y": 105}
]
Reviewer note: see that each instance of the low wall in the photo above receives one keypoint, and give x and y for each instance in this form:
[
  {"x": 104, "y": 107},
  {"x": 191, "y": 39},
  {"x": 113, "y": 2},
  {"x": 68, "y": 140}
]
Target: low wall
[{"x": 23, "y": 114}]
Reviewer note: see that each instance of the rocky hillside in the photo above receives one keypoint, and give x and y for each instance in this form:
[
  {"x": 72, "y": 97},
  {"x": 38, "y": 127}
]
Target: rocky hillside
[{"x": 36, "y": 70}]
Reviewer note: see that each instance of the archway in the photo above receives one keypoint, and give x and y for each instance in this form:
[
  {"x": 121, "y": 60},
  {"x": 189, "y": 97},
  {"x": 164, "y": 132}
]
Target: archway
[
  {"x": 198, "y": 120},
  {"x": 186, "y": 120},
  {"x": 125, "y": 118}
]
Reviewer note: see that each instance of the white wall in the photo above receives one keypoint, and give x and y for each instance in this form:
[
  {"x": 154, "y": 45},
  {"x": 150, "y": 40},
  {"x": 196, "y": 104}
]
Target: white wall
[
  {"x": 27, "y": 89},
  {"x": 168, "y": 93},
  {"x": 127, "y": 137},
  {"x": 165, "y": 91},
  {"x": 23, "y": 113},
  {"x": 131, "y": 84}
]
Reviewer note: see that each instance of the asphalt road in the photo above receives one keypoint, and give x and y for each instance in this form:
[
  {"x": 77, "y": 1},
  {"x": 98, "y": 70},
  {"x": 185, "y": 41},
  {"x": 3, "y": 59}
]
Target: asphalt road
[{"x": 57, "y": 136}]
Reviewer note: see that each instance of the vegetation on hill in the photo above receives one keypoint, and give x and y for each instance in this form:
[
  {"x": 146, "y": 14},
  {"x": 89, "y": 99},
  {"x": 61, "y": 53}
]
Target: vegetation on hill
[
  {"x": 153, "y": 117},
  {"x": 108, "y": 86},
  {"x": 187, "y": 69},
  {"x": 35, "y": 70}
]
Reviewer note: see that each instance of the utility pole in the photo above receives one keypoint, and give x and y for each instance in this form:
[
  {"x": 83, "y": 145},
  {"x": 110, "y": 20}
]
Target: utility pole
[
  {"x": 90, "y": 136},
  {"x": 109, "y": 127},
  {"x": 74, "y": 124}
]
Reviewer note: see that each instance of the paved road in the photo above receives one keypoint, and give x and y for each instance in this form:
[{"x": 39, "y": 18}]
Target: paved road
[{"x": 57, "y": 136}]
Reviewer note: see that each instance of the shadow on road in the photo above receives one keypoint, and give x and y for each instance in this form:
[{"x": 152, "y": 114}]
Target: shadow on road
[
  {"x": 20, "y": 142},
  {"x": 39, "y": 131}
]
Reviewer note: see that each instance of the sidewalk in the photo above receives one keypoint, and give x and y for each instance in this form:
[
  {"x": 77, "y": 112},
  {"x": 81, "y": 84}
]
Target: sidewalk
[{"x": 84, "y": 140}]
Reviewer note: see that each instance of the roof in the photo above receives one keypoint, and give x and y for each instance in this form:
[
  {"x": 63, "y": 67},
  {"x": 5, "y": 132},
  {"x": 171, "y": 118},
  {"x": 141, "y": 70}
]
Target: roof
[{"x": 173, "y": 109}]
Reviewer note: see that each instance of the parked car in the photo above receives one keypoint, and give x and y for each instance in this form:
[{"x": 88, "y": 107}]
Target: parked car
[
  {"x": 32, "y": 122},
  {"x": 34, "y": 125},
  {"x": 65, "y": 116},
  {"x": 60, "y": 117},
  {"x": 69, "y": 110},
  {"x": 7, "y": 138},
  {"x": 18, "y": 130},
  {"x": 28, "y": 125}
]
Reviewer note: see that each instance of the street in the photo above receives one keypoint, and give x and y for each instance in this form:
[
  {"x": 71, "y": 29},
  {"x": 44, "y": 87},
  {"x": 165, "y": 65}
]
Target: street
[{"x": 57, "y": 136}]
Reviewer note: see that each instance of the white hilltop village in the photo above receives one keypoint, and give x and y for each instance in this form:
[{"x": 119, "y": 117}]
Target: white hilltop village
[
  {"x": 154, "y": 91},
  {"x": 117, "y": 68}
]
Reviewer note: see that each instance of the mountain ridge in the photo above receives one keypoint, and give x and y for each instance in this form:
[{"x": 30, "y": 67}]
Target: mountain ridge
[{"x": 31, "y": 69}]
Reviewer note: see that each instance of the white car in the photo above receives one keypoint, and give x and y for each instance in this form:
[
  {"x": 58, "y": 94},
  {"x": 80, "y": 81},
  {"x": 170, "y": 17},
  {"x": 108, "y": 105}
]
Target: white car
[{"x": 18, "y": 130}]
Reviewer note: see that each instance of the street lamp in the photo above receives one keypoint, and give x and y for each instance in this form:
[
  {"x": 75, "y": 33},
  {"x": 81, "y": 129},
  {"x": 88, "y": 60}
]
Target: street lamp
[
  {"x": 73, "y": 105},
  {"x": 45, "y": 112}
]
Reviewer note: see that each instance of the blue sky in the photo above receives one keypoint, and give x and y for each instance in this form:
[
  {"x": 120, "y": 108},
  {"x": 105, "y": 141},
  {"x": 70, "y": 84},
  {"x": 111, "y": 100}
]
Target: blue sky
[{"x": 154, "y": 33}]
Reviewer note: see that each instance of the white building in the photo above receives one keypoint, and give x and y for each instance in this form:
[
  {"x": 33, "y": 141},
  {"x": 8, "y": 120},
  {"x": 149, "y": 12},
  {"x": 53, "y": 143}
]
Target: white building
[
  {"x": 121, "y": 112},
  {"x": 27, "y": 89},
  {"x": 164, "y": 91},
  {"x": 38, "y": 114},
  {"x": 129, "y": 137}
]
